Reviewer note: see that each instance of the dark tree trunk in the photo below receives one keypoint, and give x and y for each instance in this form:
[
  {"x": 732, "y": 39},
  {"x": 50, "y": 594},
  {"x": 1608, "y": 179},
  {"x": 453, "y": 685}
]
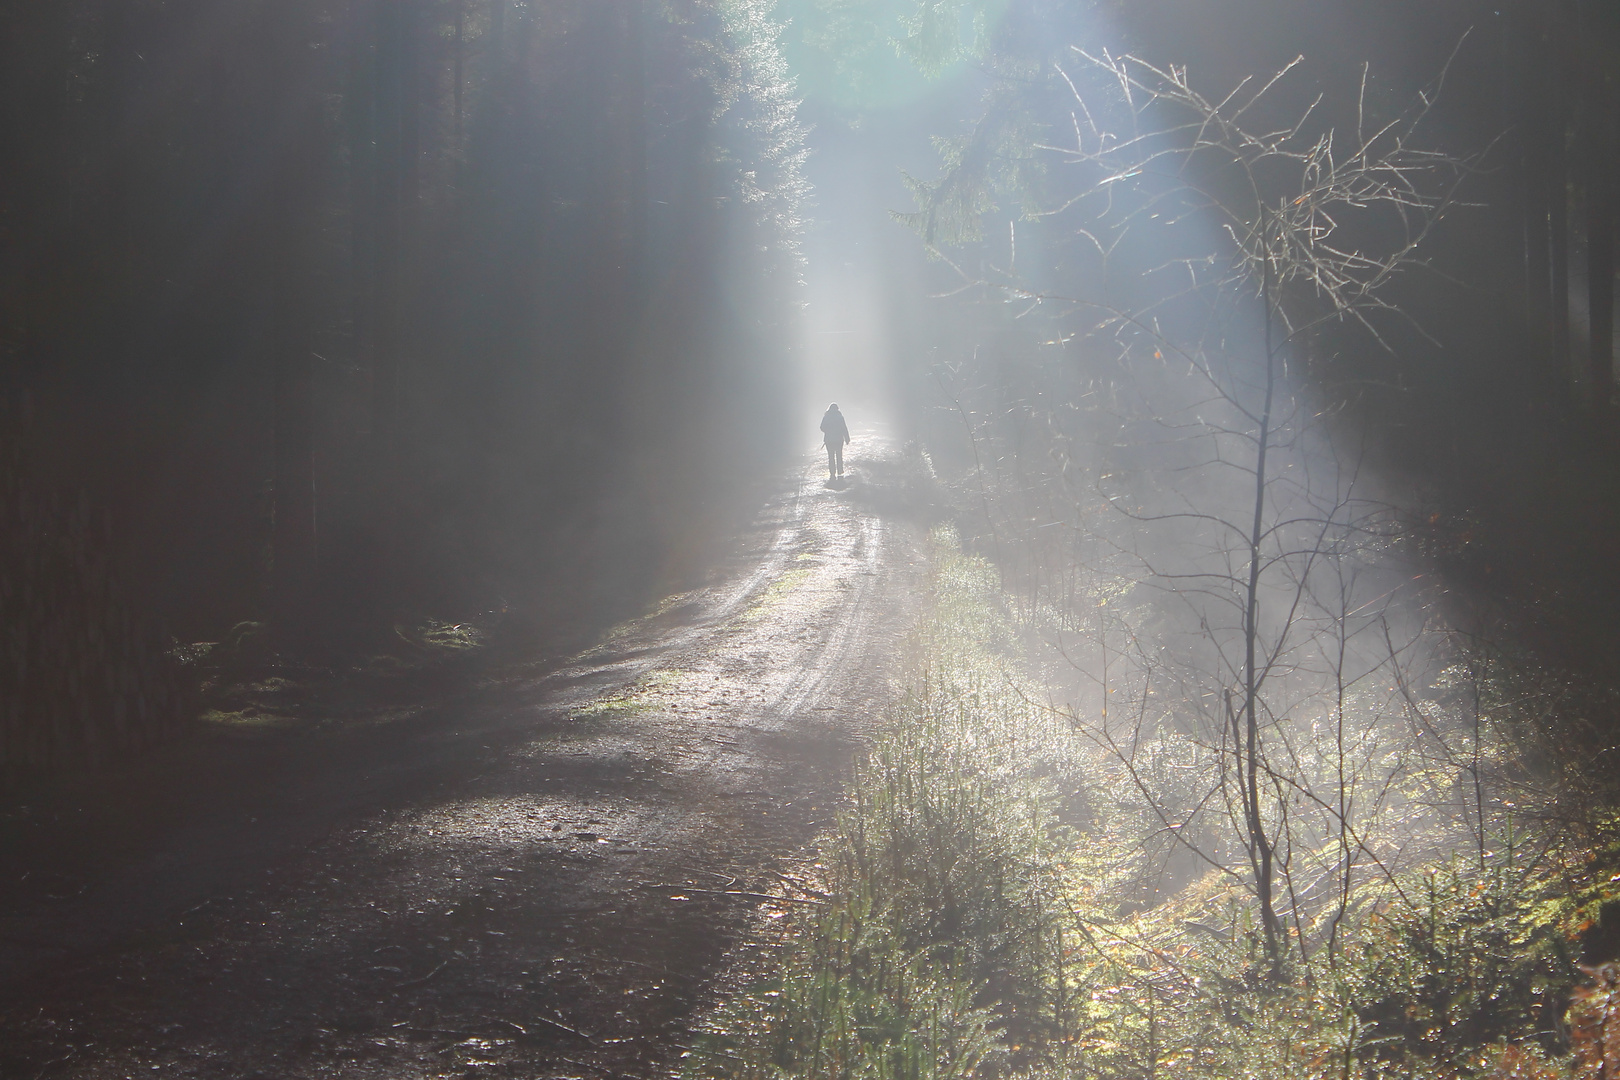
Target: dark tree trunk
[
  {"x": 387, "y": 196},
  {"x": 396, "y": 148},
  {"x": 294, "y": 536},
  {"x": 291, "y": 218},
  {"x": 459, "y": 75},
  {"x": 632, "y": 155},
  {"x": 118, "y": 61},
  {"x": 1531, "y": 27},
  {"x": 1600, "y": 207},
  {"x": 620, "y": 197},
  {"x": 360, "y": 102},
  {"x": 1557, "y": 196},
  {"x": 408, "y": 278}
]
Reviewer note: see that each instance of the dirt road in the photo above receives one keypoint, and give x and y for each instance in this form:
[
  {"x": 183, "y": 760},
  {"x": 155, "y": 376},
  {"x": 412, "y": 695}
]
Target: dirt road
[{"x": 543, "y": 876}]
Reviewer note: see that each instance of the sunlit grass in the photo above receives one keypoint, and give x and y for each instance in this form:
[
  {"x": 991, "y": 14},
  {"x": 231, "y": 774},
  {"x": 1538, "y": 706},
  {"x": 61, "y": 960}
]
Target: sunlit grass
[
  {"x": 641, "y": 696},
  {"x": 247, "y": 719},
  {"x": 777, "y": 592},
  {"x": 993, "y": 907},
  {"x": 942, "y": 939},
  {"x": 607, "y": 709},
  {"x": 458, "y": 636}
]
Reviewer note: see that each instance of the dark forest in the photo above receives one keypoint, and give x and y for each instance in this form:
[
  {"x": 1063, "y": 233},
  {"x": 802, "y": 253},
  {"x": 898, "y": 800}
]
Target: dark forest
[
  {"x": 327, "y": 313},
  {"x": 422, "y": 583}
]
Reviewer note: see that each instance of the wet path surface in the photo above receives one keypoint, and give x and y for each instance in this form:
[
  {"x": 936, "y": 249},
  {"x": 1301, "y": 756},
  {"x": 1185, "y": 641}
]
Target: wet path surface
[{"x": 542, "y": 877}]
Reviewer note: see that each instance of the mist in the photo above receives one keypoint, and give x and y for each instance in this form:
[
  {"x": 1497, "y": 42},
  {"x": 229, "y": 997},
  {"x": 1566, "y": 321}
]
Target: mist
[{"x": 424, "y": 506}]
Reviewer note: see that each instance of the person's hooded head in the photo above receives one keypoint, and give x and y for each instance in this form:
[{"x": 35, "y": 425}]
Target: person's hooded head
[{"x": 833, "y": 407}]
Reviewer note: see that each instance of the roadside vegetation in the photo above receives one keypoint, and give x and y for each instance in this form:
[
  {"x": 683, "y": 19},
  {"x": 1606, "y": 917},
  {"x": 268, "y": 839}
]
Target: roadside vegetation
[
  {"x": 1001, "y": 897},
  {"x": 1214, "y": 764}
]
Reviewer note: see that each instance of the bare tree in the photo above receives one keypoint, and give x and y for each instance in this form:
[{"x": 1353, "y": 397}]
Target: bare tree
[
  {"x": 1226, "y": 237},
  {"x": 1292, "y": 229}
]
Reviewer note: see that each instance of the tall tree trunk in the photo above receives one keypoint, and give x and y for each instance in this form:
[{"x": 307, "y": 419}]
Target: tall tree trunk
[
  {"x": 118, "y": 60},
  {"x": 294, "y": 536},
  {"x": 1530, "y": 26},
  {"x": 613, "y": 276},
  {"x": 410, "y": 211},
  {"x": 360, "y": 105},
  {"x": 459, "y": 75},
  {"x": 1246, "y": 741},
  {"x": 1557, "y": 196},
  {"x": 410, "y": 149},
  {"x": 1600, "y": 208},
  {"x": 294, "y": 194},
  {"x": 497, "y": 36},
  {"x": 398, "y": 149},
  {"x": 394, "y": 187},
  {"x": 387, "y": 194},
  {"x": 631, "y": 226}
]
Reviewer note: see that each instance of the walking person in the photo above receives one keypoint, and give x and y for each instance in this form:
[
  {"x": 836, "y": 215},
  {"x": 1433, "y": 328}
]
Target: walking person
[{"x": 835, "y": 433}]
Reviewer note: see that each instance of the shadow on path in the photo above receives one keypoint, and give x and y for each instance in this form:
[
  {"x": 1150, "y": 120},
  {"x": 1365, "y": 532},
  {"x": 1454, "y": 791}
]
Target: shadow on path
[{"x": 534, "y": 871}]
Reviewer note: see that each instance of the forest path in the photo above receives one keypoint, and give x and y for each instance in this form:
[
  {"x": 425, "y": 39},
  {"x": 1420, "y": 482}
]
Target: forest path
[{"x": 542, "y": 880}]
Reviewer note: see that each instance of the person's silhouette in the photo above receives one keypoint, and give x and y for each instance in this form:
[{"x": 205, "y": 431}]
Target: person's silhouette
[{"x": 835, "y": 433}]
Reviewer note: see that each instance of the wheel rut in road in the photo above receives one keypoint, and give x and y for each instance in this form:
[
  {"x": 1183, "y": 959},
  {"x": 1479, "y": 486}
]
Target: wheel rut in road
[{"x": 559, "y": 872}]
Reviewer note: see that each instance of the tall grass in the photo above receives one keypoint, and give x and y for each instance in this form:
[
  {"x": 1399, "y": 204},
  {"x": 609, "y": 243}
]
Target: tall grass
[{"x": 990, "y": 911}]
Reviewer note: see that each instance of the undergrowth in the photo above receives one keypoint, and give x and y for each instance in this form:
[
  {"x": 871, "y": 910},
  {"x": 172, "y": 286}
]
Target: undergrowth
[{"x": 984, "y": 917}]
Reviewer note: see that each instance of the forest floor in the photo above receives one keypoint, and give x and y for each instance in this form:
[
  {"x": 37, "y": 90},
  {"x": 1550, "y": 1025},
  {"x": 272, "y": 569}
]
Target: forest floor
[{"x": 545, "y": 869}]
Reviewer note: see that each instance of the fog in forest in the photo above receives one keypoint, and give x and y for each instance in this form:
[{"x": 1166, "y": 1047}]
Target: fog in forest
[{"x": 429, "y": 578}]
